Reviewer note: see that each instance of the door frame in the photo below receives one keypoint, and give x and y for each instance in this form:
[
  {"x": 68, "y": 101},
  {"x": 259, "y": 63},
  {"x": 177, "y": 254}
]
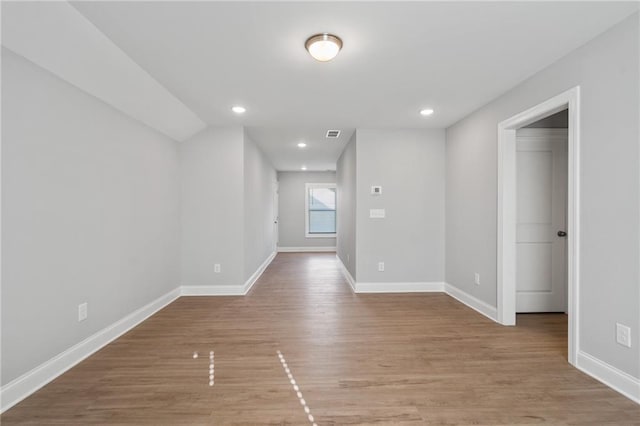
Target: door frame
[{"x": 506, "y": 273}]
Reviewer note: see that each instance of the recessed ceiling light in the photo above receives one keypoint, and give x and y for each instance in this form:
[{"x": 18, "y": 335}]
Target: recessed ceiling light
[
  {"x": 238, "y": 109},
  {"x": 303, "y": 168},
  {"x": 426, "y": 112},
  {"x": 302, "y": 145},
  {"x": 323, "y": 47}
]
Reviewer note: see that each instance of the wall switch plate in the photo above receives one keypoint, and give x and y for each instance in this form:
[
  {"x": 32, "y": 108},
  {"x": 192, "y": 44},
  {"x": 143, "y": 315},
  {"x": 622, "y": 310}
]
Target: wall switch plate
[
  {"x": 82, "y": 311},
  {"x": 381, "y": 266},
  {"x": 216, "y": 268},
  {"x": 377, "y": 213},
  {"x": 623, "y": 335},
  {"x": 376, "y": 190},
  {"x": 476, "y": 278}
]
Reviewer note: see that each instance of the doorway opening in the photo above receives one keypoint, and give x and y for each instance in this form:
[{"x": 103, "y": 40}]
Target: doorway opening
[
  {"x": 513, "y": 230},
  {"x": 541, "y": 216}
]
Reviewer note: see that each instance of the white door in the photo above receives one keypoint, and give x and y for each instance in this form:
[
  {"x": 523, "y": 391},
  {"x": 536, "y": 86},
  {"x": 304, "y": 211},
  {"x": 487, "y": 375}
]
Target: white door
[
  {"x": 276, "y": 235},
  {"x": 541, "y": 244}
]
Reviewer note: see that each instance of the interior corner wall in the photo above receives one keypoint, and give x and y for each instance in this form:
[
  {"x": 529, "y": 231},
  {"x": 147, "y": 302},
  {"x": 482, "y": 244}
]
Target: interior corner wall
[
  {"x": 259, "y": 198},
  {"x": 90, "y": 213},
  {"x": 607, "y": 71},
  {"x": 409, "y": 165},
  {"x": 212, "y": 206},
  {"x": 291, "y": 210},
  {"x": 346, "y": 206}
]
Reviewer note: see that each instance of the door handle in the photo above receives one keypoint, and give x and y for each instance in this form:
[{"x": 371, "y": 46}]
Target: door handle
[{"x": 562, "y": 234}]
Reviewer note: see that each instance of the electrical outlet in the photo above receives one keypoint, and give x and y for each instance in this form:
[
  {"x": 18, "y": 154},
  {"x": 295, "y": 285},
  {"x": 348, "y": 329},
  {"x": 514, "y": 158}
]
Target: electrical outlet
[
  {"x": 82, "y": 311},
  {"x": 623, "y": 335},
  {"x": 216, "y": 268},
  {"x": 476, "y": 278},
  {"x": 380, "y": 266}
]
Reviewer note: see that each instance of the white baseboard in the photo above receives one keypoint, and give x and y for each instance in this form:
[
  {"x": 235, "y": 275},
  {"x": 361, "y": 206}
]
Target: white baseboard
[
  {"x": 346, "y": 273},
  {"x": 617, "y": 380},
  {"x": 227, "y": 290},
  {"x": 254, "y": 277},
  {"x": 389, "y": 287},
  {"x": 305, "y": 249},
  {"x": 23, "y": 386},
  {"x": 472, "y": 302},
  {"x": 399, "y": 287}
]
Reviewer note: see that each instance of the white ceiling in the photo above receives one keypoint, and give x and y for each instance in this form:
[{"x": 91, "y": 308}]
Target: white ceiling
[
  {"x": 57, "y": 37},
  {"x": 398, "y": 57},
  {"x": 281, "y": 145}
]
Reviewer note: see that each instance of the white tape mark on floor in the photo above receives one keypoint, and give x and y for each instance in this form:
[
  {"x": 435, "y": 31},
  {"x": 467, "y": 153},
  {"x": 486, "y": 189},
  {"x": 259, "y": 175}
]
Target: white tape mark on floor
[
  {"x": 296, "y": 388},
  {"x": 211, "y": 369}
]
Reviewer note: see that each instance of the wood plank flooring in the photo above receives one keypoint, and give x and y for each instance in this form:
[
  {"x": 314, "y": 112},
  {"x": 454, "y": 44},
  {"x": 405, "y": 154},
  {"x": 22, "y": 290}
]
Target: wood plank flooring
[{"x": 357, "y": 359}]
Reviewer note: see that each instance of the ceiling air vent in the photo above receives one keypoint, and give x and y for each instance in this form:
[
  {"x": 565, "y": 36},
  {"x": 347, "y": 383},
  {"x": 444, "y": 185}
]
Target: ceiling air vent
[{"x": 332, "y": 134}]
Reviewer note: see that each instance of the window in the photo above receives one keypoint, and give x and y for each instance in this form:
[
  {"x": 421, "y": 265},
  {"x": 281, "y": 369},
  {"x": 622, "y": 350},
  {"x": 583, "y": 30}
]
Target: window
[{"x": 320, "y": 210}]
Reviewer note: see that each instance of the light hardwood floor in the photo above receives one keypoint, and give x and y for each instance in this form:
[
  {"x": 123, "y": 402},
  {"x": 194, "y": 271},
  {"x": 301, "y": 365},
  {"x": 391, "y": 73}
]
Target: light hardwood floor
[{"x": 357, "y": 359}]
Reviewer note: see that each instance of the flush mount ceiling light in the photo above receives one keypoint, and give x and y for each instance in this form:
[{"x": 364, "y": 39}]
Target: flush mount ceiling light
[
  {"x": 426, "y": 112},
  {"x": 302, "y": 145},
  {"x": 323, "y": 47},
  {"x": 238, "y": 109}
]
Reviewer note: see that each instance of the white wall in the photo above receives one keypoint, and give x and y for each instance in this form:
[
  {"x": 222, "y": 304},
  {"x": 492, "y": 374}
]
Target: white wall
[
  {"x": 259, "y": 189},
  {"x": 212, "y": 167},
  {"x": 90, "y": 214},
  {"x": 291, "y": 210},
  {"x": 409, "y": 165},
  {"x": 227, "y": 207},
  {"x": 346, "y": 182},
  {"x": 606, "y": 69}
]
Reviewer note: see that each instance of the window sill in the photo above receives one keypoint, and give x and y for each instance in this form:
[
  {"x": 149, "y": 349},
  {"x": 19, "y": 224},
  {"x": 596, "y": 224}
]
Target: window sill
[{"x": 320, "y": 235}]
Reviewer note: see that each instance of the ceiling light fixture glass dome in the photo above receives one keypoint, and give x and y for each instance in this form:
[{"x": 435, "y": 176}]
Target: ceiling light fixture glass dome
[{"x": 323, "y": 47}]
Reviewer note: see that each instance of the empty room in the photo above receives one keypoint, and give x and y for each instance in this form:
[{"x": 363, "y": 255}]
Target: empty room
[{"x": 320, "y": 213}]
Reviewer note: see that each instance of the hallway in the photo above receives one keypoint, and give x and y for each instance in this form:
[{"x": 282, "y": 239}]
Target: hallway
[{"x": 356, "y": 359}]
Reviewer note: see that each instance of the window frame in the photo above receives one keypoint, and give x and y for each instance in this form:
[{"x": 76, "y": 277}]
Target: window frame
[{"x": 307, "y": 188}]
